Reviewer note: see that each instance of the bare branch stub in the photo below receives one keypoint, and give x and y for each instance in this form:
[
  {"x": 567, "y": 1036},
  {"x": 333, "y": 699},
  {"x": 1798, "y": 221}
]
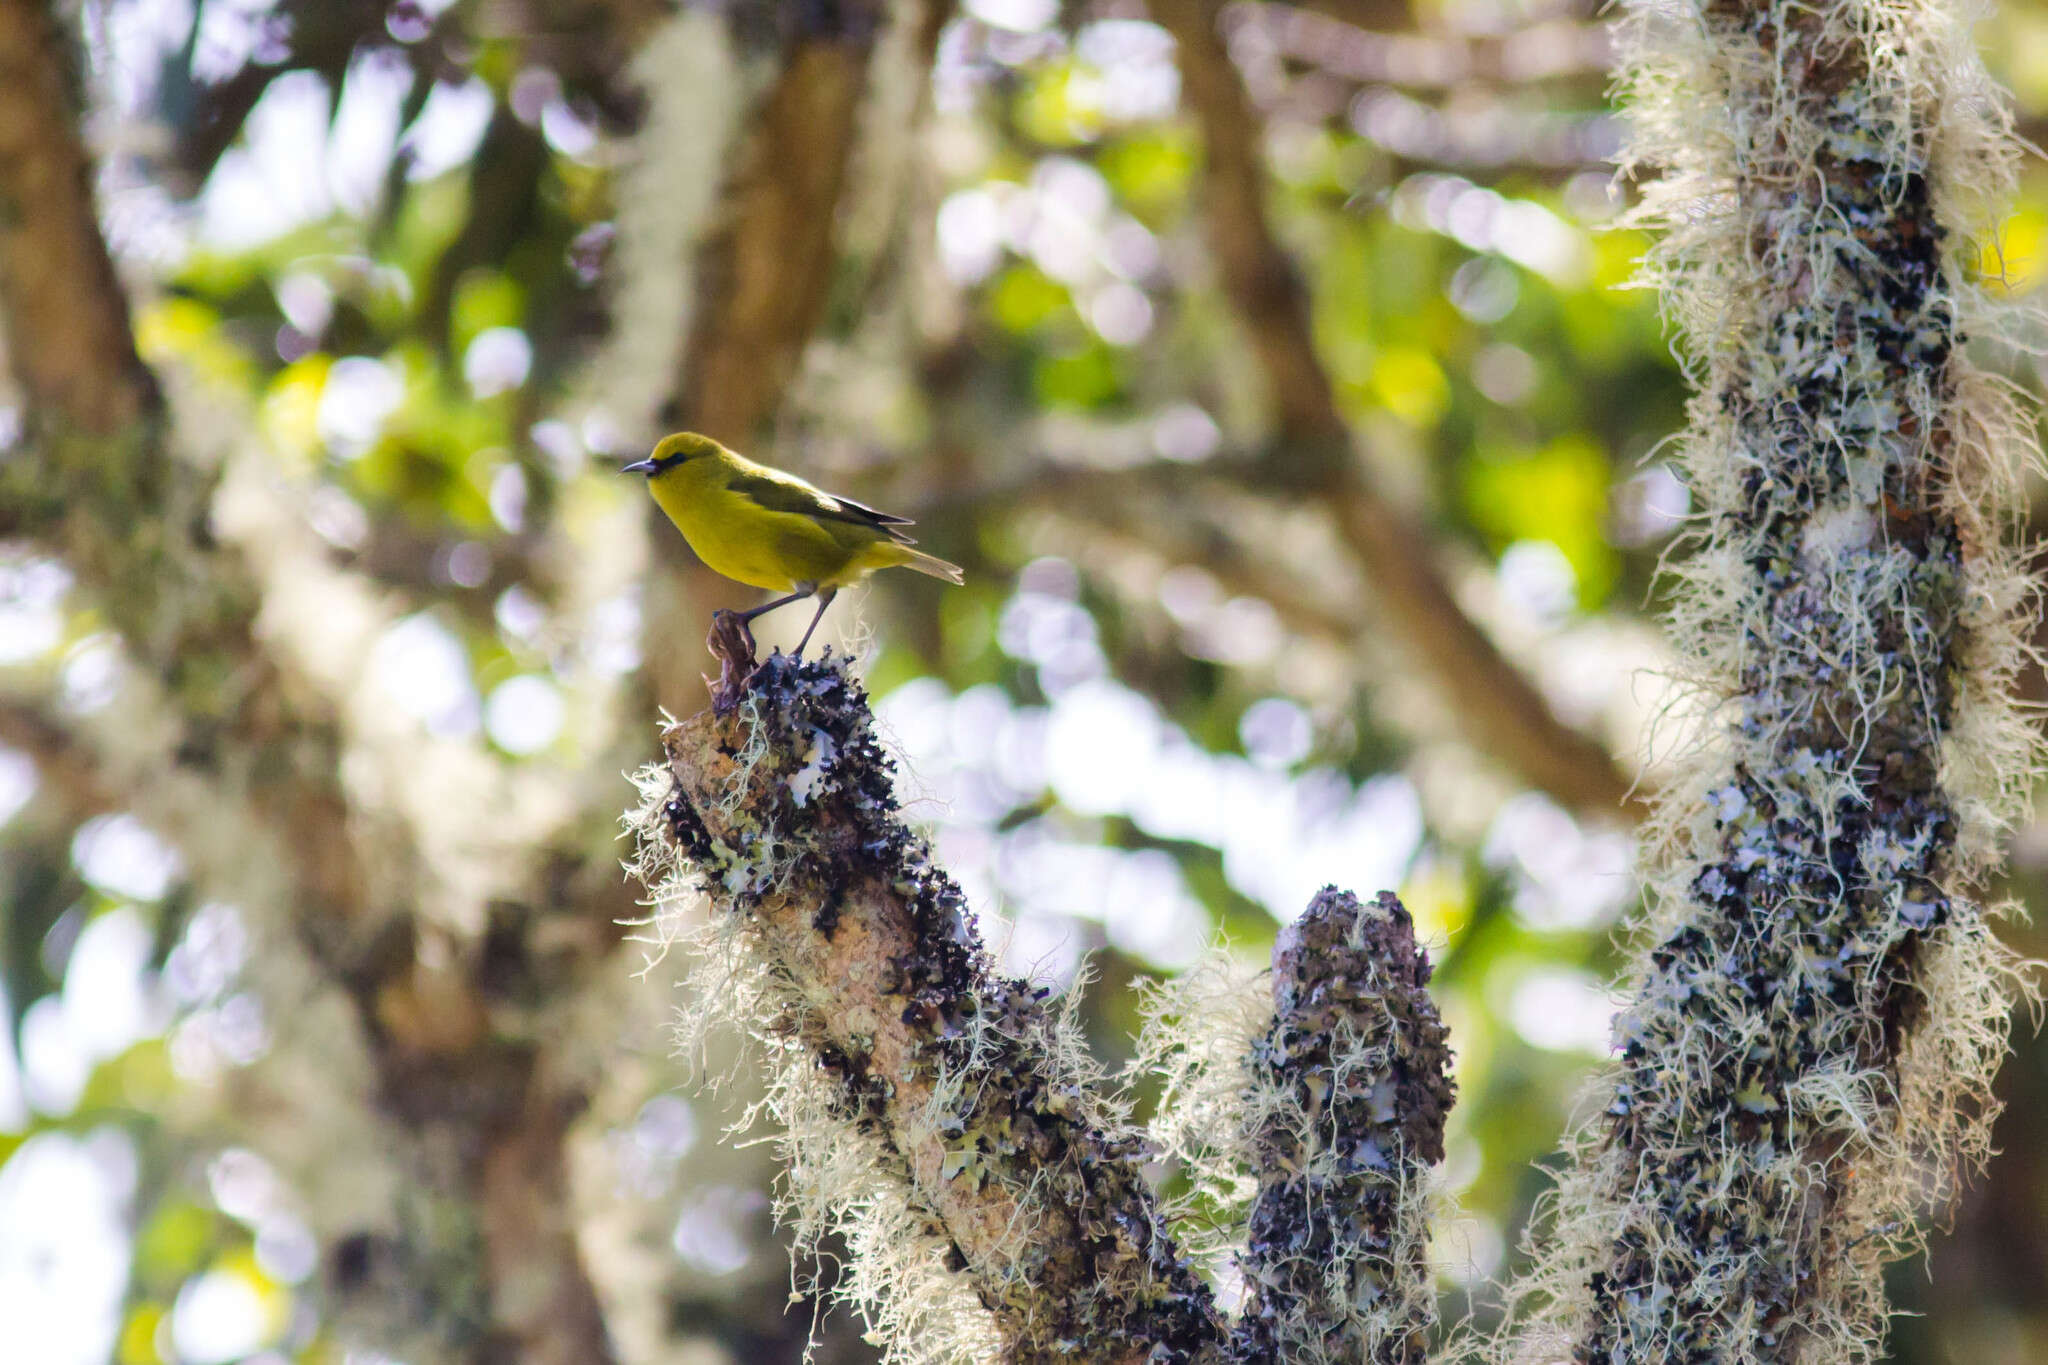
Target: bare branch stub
[
  {"x": 785, "y": 806},
  {"x": 731, "y": 642}
]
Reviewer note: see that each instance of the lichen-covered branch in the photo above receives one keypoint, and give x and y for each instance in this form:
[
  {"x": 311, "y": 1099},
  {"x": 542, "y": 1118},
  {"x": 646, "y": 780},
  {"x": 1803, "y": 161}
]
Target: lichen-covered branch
[
  {"x": 1345, "y": 1101},
  {"x": 1504, "y": 715},
  {"x": 942, "y": 1120},
  {"x": 1306, "y": 1107},
  {"x": 938, "y": 1115},
  {"x": 1817, "y": 1010}
]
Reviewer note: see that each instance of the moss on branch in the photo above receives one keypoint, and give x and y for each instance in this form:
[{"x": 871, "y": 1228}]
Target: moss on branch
[{"x": 943, "y": 1119}]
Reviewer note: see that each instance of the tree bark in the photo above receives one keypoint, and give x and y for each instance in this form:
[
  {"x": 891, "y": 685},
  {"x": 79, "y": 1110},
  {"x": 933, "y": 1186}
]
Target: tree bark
[
  {"x": 59, "y": 285},
  {"x": 763, "y": 274},
  {"x": 1347, "y": 1093},
  {"x": 255, "y": 755}
]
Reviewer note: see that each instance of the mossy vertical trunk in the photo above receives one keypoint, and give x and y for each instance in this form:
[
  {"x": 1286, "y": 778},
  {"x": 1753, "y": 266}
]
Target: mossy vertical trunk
[{"x": 1815, "y": 1014}]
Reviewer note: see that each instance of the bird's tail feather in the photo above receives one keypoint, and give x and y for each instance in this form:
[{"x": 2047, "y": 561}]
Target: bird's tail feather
[{"x": 936, "y": 567}]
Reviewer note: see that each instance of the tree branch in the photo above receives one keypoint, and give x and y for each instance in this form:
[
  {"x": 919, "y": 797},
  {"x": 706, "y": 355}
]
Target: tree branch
[
  {"x": 97, "y": 484},
  {"x": 249, "y": 782},
  {"x": 763, "y": 274},
  {"x": 941, "y": 1120},
  {"x": 77, "y": 366},
  {"x": 1392, "y": 51},
  {"x": 1494, "y": 704},
  {"x": 976, "y": 1097},
  {"x": 1349, "y": 1089},
  {"x": 59, "y": 762},
  {"x": 468, "y": 1111}
]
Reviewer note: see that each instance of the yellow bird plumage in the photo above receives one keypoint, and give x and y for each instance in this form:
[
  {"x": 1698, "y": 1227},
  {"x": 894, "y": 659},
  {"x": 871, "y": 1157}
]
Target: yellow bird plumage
[{"x": 772, "y": 530}]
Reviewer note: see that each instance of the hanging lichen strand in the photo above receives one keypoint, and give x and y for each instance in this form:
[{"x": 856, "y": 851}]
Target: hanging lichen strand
[{"x": 1818, "y": 1007}]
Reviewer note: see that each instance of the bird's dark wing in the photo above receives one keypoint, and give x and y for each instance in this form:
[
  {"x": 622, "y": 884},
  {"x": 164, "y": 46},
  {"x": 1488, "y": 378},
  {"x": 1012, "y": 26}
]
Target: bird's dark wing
[
  {"x": 870, "y": 514},
  {"x": 792, "y": 495}
]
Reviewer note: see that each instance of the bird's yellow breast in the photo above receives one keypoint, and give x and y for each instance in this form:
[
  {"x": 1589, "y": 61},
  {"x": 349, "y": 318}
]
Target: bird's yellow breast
[{"x": 737, "y": 537}]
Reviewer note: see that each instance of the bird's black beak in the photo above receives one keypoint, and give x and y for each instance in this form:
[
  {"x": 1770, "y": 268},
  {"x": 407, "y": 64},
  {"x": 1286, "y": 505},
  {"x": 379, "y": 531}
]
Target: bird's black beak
[{"x": 639, "y": 467}]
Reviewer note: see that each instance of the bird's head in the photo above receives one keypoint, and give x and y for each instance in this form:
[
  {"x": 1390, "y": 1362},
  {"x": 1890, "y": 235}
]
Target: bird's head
[{"x": 672, "y": 451}]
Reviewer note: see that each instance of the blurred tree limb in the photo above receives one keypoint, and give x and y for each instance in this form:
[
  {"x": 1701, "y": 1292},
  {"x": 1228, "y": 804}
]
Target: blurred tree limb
[
  {"x": 1120, "y": 500},
  {"x": 99, "y": 483},
  {"x": 61, "y": 762},
  {"x": 1495, "y": 704},
  {"x": 81, "y": 373},
  {"x": 763, "y": 272}
]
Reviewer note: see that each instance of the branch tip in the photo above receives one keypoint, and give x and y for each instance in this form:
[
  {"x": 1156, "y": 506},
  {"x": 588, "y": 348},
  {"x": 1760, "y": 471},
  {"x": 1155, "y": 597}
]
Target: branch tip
[{"x": 1345, "y": 1103}]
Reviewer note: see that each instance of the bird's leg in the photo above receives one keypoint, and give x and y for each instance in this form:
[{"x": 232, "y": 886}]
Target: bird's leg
[
  {"x": 824, "y": 601},
  {"x": 802, "y": 591}
]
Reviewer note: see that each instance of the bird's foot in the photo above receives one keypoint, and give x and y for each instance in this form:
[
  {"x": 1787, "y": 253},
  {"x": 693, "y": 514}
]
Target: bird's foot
[{"x": 731, "y": 642}]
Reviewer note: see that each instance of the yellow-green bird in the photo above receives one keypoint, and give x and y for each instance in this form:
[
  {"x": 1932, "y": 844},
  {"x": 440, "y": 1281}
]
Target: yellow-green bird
[{"x": 772, "y": 530}]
